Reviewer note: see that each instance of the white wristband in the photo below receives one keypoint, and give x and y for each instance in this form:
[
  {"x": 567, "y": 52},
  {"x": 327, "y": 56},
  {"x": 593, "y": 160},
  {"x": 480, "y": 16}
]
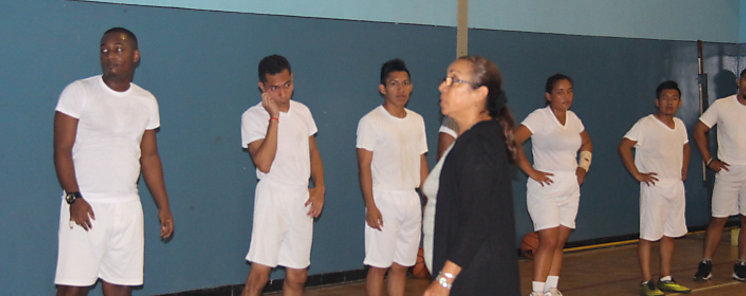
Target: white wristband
[{"x": 585, "y": 160}]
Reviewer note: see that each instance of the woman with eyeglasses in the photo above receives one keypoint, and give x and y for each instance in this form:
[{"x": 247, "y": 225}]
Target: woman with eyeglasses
[
  {"x": 474, "y": 243},
  {"x": 553, "y": 189}
]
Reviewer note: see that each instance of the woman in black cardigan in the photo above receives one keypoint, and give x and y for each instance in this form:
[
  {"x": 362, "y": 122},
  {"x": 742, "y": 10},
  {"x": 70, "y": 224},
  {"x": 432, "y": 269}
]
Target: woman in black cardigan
[{"x": 474, "y": 245}]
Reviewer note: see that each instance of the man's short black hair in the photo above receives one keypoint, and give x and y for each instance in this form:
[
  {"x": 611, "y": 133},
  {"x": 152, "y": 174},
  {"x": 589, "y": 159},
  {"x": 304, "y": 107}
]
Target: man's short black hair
[
  {"x": 124, "y": 31},
  {"x": 670, "y": 84},
  {"x": 272, "y": 65},
  {"x": 395, "y": 65}
]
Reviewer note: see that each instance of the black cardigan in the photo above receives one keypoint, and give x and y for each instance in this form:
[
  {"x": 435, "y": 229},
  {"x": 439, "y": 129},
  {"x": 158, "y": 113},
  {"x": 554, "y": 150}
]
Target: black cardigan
[{"x": 474, "y": 221}]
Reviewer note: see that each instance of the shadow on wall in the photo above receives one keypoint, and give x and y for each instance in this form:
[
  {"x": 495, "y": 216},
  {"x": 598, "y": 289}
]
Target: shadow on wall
[{"x": 725, "y": 83}]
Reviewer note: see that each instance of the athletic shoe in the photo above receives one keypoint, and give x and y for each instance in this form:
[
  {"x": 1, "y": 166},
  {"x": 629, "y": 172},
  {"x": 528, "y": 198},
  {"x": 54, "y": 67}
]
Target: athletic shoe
[
  {"x": 704, "y": 271},
  {"x": 553, "y": 292},
  {"x": 649, "y": 289},
  {"x": 739, "y": 271},
  {"x": 672, "y": 286}
]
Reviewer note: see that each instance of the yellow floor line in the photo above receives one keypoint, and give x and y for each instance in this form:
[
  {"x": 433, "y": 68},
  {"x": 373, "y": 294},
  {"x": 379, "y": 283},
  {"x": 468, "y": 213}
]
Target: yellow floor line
[
  {"x": 627, "y": 242},
  {"x": 596, "y": 246},
  {"x": 716, "y": 286}
]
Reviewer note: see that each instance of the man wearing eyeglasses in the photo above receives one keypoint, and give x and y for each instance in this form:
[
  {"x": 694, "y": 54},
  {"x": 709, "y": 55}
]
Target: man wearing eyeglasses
[
  {"x": 279, "y": 135},
  {"x": 391, "y": 147}
]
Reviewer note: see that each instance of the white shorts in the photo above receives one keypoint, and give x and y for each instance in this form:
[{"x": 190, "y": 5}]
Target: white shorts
[
  {"x": 111, "y": 250},
  {"x": 399, "y": 238},
  {"x": 729, "y": 194},
  {"x": 556, "y": 204},
  {"x": 662, "y": 209},
  {"x": 282, "y": 231}
]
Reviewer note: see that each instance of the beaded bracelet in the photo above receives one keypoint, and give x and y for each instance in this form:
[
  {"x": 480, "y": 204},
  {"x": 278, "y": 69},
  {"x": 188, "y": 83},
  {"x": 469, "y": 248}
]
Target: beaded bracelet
[{"x": 443, "y": 278}]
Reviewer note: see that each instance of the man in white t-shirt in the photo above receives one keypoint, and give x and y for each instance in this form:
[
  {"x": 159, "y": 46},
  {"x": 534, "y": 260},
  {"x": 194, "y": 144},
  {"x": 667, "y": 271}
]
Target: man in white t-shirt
[
  {"x": 104, "y": 134},
  {"x": 391, "y": 147},
  {"x": 729, "y": 192},
  {"x": 279, "y": 135},
  {"x": 660, "y": 163}
]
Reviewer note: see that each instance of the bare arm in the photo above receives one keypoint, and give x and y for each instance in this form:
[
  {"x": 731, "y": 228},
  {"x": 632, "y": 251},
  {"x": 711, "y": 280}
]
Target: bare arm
[
  {"x": 65, "y": 131},
  {"x": 444, "y": 140},
  {"x": 263, "y": 151},
  {"x": 700, "y": 138},
  {"x": 152, "y": 172},
  {"x": 435, "y": 289},
  {"x": 316, "y": 194},
  {"x": 625, "y": 151},
  {"x": 522, "y": 133},
  {"x": 586, "y": 144},
  {"x": 372, "y": 214},
  {"x": 685, "y": 162},
  {"x": 424, "y": 170}
]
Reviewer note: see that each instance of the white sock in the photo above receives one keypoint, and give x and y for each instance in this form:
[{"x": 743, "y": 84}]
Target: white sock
[
  {"x": 665, "y": 278},
  {"x": 537, "y": 286},
  {"x": 552, "y": 282}
]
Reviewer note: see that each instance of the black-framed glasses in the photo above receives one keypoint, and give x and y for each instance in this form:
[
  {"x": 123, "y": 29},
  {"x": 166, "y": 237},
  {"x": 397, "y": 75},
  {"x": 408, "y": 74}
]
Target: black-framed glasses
[{"x": 449, "y": 80}]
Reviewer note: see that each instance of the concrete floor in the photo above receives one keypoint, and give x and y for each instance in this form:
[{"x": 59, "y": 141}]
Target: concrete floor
[{"x": 606, "y": 271}]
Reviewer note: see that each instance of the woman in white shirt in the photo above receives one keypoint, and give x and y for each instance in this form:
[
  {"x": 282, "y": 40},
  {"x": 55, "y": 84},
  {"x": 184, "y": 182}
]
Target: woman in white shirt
[{"x": 553, "y": 189}]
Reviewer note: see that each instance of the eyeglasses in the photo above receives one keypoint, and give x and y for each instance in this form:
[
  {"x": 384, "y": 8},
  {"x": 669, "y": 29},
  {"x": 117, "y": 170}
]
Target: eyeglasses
[{"x": 451, "y": 80}]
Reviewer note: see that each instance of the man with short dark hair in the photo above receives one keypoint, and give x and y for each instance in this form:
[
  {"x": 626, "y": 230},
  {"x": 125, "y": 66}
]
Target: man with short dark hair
[
  {"x": 104, "y": 135},
  {"x": 660, "y": 164},
  {"x": 391, "y": 147},
  {"x": 279, "y": 135},
  {"x": 729, "y": 192}
]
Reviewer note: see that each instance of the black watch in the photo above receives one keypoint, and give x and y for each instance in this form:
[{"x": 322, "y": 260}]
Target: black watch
[{"x": 71, "y": 197}]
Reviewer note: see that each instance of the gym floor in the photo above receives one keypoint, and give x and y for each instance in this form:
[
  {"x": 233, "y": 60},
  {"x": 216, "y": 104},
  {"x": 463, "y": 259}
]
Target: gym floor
[{"x": 612, "y": 271}]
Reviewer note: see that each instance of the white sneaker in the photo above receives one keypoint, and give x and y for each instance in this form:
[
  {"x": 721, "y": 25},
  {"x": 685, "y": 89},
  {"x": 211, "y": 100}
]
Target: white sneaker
[{"x": 553, "y": 292}]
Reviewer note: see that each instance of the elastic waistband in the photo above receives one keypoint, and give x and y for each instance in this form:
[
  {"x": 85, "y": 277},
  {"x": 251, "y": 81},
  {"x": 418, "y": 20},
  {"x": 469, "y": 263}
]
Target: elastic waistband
[
  {"x": 283, "y": 184},
  {"x": 665, "y": 182},
  {"x": 101, "y": 198},
  {"x": 393, "y": 190}
]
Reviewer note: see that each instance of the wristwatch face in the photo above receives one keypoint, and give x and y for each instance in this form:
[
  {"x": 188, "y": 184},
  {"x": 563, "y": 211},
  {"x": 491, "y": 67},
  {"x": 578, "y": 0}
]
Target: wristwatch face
[{"x": 70, "y": 198}]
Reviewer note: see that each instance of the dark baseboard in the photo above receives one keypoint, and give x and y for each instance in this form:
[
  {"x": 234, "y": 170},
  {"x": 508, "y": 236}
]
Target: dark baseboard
[{"x": 604, "y": 240}]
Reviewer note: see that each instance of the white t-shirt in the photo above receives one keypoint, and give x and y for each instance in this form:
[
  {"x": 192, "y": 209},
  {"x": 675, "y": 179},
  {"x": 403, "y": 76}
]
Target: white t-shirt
[
  {"x": 554, "y": 146},
  {"x": 449, "y": 127},
  {"x": 292, "y": 163},
  {"x": 106, "y": 153},
  {"x": 730, "y": 117},
  {"x": 659, "y": 149},
  {"x": 397, "y": 144},
  {"x": 448, "y": 131}
]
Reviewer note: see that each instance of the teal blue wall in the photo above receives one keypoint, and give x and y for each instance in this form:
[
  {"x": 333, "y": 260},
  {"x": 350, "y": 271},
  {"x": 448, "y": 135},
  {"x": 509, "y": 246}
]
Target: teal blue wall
[
  {"x": 201, "y": 65},
  {"x": 742, "y": 24},
  {"x": 661, "y": 19},
  {"x": 712, "y": 20}
]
